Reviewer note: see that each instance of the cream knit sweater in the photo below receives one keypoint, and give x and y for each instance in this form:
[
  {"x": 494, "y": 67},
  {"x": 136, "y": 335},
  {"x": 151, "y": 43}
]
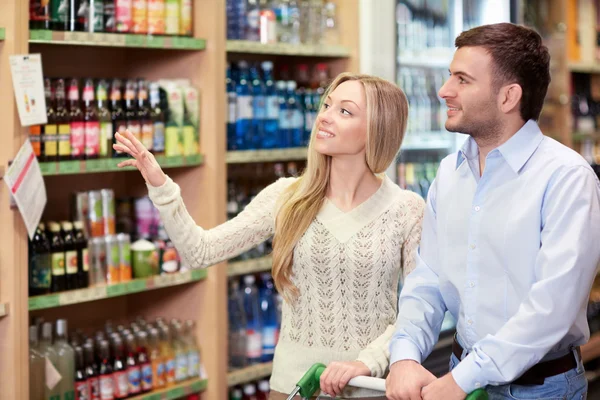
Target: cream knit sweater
[{"x": 346, "y": 266}]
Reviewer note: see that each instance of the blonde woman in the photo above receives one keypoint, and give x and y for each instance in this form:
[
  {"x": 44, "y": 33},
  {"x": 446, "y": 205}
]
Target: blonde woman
[{"x": 343, "y": 233}]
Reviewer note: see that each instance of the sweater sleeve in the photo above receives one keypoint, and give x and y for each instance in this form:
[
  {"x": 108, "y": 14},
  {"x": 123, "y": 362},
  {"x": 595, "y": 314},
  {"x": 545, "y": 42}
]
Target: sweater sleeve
[
  {"x": 413, "y": 237},
  {"x": 199, "y": 247}
]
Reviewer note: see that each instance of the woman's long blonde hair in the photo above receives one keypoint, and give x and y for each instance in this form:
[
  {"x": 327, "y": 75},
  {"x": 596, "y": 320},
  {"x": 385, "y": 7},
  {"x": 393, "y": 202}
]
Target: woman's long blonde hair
[{"x": 387, "y": 112}]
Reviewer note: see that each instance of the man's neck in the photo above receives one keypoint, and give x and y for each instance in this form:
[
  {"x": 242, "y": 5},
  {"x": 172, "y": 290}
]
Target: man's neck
[{"x": 487, "y": 144}]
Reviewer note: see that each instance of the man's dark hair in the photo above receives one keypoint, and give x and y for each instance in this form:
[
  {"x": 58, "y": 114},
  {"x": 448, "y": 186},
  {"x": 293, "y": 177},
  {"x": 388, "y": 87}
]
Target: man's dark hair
[{"x": 518, "y": 56}]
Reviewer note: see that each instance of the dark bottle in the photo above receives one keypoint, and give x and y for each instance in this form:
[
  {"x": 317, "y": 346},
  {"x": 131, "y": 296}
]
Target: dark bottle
[
  {"x": 81, "y": 245},
  {"x": 119, "y": 369},
  {"x": 133, "y": 369},
  {"x": 91, "y": 370},
  {"x": 77, "y": 14},
  {"x": 57, "y": 248},
  {"x": 40, "y": 263},
  {"x": 63, "y": 122},
  {"x": 110, "y": 17},
  {"x": 119, "y": 122},
  {"x": 82, "y": 386},
  {"x": 90, "y": 119},
  {"x": 59, "y": 15},
  {"x": 131, "y": 113},
  {"x": 50, "y": 134},
  {"x": 77, "y": 123},
  {"x": 71, "y": 261},
  {"x": 39, "y": 14},
  {"x": 105, "y": 371},
  {"x": 144, "y": 116},
  {"x": 158, "y": 120},
  {"x": 143, "y": 360}
]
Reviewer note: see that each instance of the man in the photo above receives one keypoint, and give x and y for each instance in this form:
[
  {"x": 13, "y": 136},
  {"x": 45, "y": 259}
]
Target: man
[{"x": 510, "y": 237}]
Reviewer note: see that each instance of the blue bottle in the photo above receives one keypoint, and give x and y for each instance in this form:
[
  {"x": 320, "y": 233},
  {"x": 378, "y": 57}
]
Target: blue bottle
[
  {"x": 231, "y": 109},
  {"x": 268, "y": 306},
  {"x": 237, "y": 326},
  {"x": 296, "y": 115},
  {"x": 259, "y": 110},
  {"x": 272, "y": 103},
  {"x": 284, "y": 135},
  {"x": 236, "y": 19},
  {"x": 310, "y": 115},
  {"x": 254, "y": 324},
  {"x": 244, "y": 109}
]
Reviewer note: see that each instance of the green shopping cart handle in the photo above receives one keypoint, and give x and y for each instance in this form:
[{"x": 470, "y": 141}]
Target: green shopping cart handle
[{"x": 310, "y": 383}]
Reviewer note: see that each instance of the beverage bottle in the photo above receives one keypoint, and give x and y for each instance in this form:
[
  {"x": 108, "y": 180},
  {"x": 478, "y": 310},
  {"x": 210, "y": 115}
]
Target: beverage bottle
[
  {"x": 50, "y": 135},
  {"x": 76, "y": 121},
  {"x": 57, "y": 248},
  {"x": 268, "y": 306},
  {"x": 110, "y": 17},
  {"x": 63, "y": 121},
  {"x": 244, "y": 108},
  {"x": 59, "y": 15},
  {"x": 105, "y": 372},
  {"x": 71, "y": 259},
  {"x": 259, "y": 110},
  {"x": 134, "y": 371},
  {"x": 268, "y": 23},
  {"x": 66, "y": 361},
  {"x": 131, "y": 114},
  {"x": 156, "y": 17},
  {"x": 119, "y": 120},
  {"x": 193, "y": 351},
  {"x": 167, "y": 353},
  {"x": 40, "y": 263},
  {"x": 236, "y": 394},
  {"x": 143, "y": 361},
  {"x": 83, "y": 266},
  {"x": 120, "y": 377},
  {"x": 157, "y": 116},
  {"x": 139, "y": 16},
  {"x": 272, "y": 107},
  {"x": 263, "y": 390},
  {"x": 91, "y": 122},
  {"x": 249, "y": 392},
  {"x": 96, "y": 16},
  {"x": 254, "y": 323},
  {"x": 123, "y": 16},
  {"x": 237, "y": 326},
  {"x": 91, "y": 370},
  {"x": 39, "y": 14},
  {"x": 48, "y": 351},
  {"x": 231, "y": 108},
  {"x": 172, "y": 16},
  {"x": 78, "y": 15},
  {"x": 37, "y": 375},
  {"x": 185, "y": 18},
  {"x": 82, "y": 385},
  {"x": 285, "y": 121},
  {"x": 181, "y": 360},
  {"x": 143, "y": 114},
  {"x": 296, "y": 116},
  {"x": 252, "y": 21},
  {"x": 157, "y": 361}
]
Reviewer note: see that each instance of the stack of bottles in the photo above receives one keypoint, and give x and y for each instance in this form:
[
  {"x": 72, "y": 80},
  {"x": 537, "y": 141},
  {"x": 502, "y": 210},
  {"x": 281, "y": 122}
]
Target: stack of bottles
[
  {"x": 114, "y": 363},
  {"x": 244, "y": 185},
  {"x": 152, "y": 17},
  {"x": 251, "y": 391},
  {"x": 313, "y": 22},
  {"x": 264, "y": 113},
  {"x": 90, "y": 252},
  {"x": 163, "y": 115},
  {"x": 423, "y": 25},
  {"x": 417, "y": 174},
  {"x": 254, "y": 320}
]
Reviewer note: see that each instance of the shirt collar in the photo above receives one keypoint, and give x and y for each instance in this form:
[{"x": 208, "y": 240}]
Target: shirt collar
[{"x": 516, "y": 150}]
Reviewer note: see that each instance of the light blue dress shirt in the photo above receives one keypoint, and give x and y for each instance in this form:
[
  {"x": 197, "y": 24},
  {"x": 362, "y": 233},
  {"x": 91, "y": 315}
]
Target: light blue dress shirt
[{"x": 511, "y": 254}]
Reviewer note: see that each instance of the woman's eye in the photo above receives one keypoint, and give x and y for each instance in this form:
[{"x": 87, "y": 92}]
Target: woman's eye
[
  {"x": 344, "y": 111},
  {"x": 325, "y": 106}
]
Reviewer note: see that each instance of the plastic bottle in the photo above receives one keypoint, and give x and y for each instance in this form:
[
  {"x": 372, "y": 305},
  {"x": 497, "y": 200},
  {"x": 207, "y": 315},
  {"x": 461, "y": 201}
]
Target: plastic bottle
[
  {"x": 268, "y": 306},
  {"x": 285, "y": 122},
  {"x": 231, "y": 109},
  {"x": 244, "y": 108},
  {"x": 193, "y": 351},
  {"x": 157, "y": 360},
  {"x": 259, "y": 110},
  {"x": 143, "y": 360},
  {"x": 254, "y": 321},
  {"x": 237, "y": 326},
  {"x": 82, "y": 386},
  {"x": 37, "y": 375},
  {"x": 66, "y": 361},
  {"x": 48, "y": 351},
  {"x": 296, "y": 115},
  {"x": 272, "y": 107}
]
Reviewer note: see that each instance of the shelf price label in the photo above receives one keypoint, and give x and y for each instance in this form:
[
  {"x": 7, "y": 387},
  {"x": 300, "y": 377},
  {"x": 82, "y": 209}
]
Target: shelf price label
[
  {"x": 69, "y": 167},
  {"x": 95, "y": 165},
  {"x": 117, "y": 289},
  {"x": 175, "y": 393},
  {"x": 39, "y": 302},
  {"x": 48, "y": 168}
]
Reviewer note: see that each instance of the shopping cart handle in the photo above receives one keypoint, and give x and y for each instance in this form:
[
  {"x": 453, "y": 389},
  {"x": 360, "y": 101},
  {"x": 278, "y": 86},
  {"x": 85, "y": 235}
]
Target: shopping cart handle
[{"x": 310, "y": 383}]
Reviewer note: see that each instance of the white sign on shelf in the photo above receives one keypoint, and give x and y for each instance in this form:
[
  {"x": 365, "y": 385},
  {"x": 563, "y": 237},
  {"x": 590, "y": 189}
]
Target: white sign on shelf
[
  {"x": 28, "y": 85},
  {"x": 26, "y": 184}
]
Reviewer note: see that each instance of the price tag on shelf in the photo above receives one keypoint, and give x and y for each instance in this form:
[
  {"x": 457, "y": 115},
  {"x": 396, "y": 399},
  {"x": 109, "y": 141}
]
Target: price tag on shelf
[
  {"x": 48, "y": 168},
  {"x": 69, "y": 167},
  {"x": 95, "y": 165}
]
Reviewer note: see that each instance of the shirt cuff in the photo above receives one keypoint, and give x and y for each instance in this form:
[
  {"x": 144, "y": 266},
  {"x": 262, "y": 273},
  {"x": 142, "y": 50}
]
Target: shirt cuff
[
  {"x": 162, "y": 194},
  {"x": 467, "y": 375},
  {"x": 404, "y": 349}
]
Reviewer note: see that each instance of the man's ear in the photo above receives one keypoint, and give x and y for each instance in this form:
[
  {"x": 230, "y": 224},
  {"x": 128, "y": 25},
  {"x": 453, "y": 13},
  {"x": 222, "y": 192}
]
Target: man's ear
[{"x": 510, "y": 97}]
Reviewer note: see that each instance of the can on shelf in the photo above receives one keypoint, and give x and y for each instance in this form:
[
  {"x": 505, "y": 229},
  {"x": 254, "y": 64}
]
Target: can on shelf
[
  {"x": 124, "y": 257},
  {"x": 97, "y": 253},
  {"x": 96, "y": 214},
  {"x": 108, "y": 209},
  {"x": 113, "y": 261},
  {"x": 81, "y": 210}
]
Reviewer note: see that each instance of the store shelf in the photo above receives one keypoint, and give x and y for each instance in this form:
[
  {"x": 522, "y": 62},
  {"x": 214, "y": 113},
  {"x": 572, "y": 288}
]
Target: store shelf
[
  {"x": 175, "y": 392},
  {"x": 255, "y": 156},
  {"x": 249, "y": 374},
  {"x": 284, "y": 49},
  {"x": 252, "y": 266},
  {"x": 110, "y": 164},
  {"x": 591, "y": 349},
  {"x": 427, "y": 141},
  {"x": 2, "y": 33},
  {"x": 584, "y": 67},
  {"x": 429, "y": 58},
  {"x": 116, "y": 40},
  {"x": 119, "y": 289}
]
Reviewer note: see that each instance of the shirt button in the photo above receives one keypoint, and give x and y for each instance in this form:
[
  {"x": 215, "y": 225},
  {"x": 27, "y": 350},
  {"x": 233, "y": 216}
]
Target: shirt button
[
  {"x": 470, "y": 322},
  {"x": 472, "y": 247},
  {"x": 477, "y": 384},
  {"x": 471, "y": 284},
  {"x": 477, "y": 208}
]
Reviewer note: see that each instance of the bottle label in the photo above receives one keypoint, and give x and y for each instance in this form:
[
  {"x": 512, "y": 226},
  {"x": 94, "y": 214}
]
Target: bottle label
[
  {"x": 121, "y": 384},
  {"x": 285, "y": 120},
  {"x": 92, "y": 138},
  {"x": 77, "y": 138},
  {"x": 140, "y": 24},
  {"x": 190, "y": 144},
  {"x": 231, "y": 107},
  {"x": 107, "y": 387},
  {"x": 244, "y": 107},
  {"x": 158, "y": 139},
  {"x": 71, "y": 262},
  {"x": 273, "y": 107},
  {"x": 123, "y": 14},
  {"x": 147, "y": 135},
  {"x": 253, "y": 344},
  {"x": 173, "y": 145},
  {"x": 35, "y": 132},
  {"x": 297, "y": 120},
  {"x": 172, "y": 17},
  {"x": 259, "y": 107},
  {"x": 60, "y": 10},
  {"x": 170, "y": 370},
  {"x": 193, "y": 364},
  {"x": 41, "y": 267},
  {"x": 82, "y": 390},
  {"x": 181, "y": 371},
  {"x": 88, "y": 94},
  {"x": 253, "y": 18},
  {"x": 159, "y": 374},
  {"x": 50, "y": 140},
  {"x": 156, "y": 17},
  {"x": 136, "y": 129},
  {"x": 98, "y": 17},
  {"x": 64, "y": 140},
  {"x": 269, "y": 339},
  {"x": 135, "y": 377},
  {"x": 58, "y": 263},
  {"x": 106, "y": 135},
  {"x": 146, "y": 377},
  {"x": 94, "y": 388}
]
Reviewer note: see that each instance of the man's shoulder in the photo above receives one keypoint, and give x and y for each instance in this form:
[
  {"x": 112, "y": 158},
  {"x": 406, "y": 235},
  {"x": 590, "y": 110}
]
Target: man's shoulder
[{"x": 556, "y": 155}]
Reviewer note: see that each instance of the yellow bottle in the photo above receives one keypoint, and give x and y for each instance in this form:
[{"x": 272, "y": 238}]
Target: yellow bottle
[{"x": 167, "y": 353}]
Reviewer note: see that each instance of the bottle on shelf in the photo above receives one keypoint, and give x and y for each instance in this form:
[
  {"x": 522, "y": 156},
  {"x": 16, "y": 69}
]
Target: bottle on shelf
[
  {"x": 76, "y": 121},
  {"x": 156, "y": 17},
  {"x": 105, "y": 371},
  {"x": 120, "y": 377},
  {"x": 192, "y": 349},
  {"x": 119, "y": 120},
  {"x": 157, "y": 360},
  {"x": 254, "y": 323},
  {"x": 91, "y": 121},
  {"x": 66, "y": 361},
  {"x": 82, "y": 385},
  {"x": 244, "y": 117},
  {"x": 104, "y": 119},
  {"x": 58, "y": 279},
  {"x": 40, "y": 263},
  {"x": 131, "y": 112},
  {"x": 143, "y": 361},
  {"x": 134, "y": 370},
  {"x": 71, "y": 255},
  {"x": 272, "y": 107},
  {"x": 59, "y": 15},
  {"x": 237, "y": 326},
  {"x": 157, "y": 117},
  {"x": 63, "y": 122},
  {"x": 268, "y": 306},
  {"x": 230, "y": 87},
  {"x": 91, "y": 369},
  {"x": 144, "y": 115},
  {"x": 49, "y": 146},
  {"x": 259, "y": 109}
]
